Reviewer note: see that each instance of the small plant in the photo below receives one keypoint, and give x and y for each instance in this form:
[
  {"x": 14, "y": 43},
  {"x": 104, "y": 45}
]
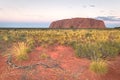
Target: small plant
[
  {"x": 44, "y": 56},
  {"x": 20, "y": 50},
  {"x": 31, "y": 42},
  {"x": 5, "y": 38},
  {"x": 99, "y": 67}
]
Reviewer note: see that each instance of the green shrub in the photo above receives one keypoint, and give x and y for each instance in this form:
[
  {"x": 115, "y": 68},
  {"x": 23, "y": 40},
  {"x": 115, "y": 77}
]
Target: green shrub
[
  {"x": 109, "y": 49},
  {"x": 99, "y": 67},
  {"x": 88, "y": 50},
  {"x": 73, "y": 44},
  {"x": 97, "y": 50},
  {"x": 22, "y": 37}
]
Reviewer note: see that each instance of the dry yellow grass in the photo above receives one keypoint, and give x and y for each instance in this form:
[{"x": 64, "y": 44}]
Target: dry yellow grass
[
  {"x": 99, "y": 67},
  {"x": 20, "y": 50}
]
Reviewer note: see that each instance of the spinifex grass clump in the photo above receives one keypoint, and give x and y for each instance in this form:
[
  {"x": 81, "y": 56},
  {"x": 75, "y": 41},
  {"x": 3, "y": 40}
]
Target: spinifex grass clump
[
  {"x": 99, "y": 67},
  {"x": 20, "y": 50}
]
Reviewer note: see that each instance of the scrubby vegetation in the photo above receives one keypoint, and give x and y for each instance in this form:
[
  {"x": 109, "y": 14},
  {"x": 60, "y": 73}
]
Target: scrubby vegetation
[
  {"x": 88, "y": 43},
  {"x": 97, "y": 50}
]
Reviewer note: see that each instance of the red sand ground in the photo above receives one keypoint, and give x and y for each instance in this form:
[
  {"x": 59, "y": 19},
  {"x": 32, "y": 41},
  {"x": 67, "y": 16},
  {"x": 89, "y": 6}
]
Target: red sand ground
[{"x": 73, "y": 68}]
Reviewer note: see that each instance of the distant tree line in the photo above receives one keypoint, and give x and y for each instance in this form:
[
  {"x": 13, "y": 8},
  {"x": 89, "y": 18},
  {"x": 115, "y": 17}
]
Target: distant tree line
[{"x": 117, "y": 27}]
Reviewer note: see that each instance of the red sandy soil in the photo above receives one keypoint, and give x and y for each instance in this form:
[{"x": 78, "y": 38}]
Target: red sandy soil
[{"x": 73, "y": 68}]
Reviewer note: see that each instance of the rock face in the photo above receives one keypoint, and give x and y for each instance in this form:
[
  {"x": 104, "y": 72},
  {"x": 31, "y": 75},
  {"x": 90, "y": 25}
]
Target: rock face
[{"x": 78, "y": 23}]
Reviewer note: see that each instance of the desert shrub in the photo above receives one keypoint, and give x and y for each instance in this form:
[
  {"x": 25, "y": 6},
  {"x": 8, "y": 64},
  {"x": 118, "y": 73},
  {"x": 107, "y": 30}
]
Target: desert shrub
[
  {"x": 30, "y": 41},
  {"x": 20, "y": 50},
  {"x": 88, "y": 34},
  {"x": 97, "y": 50},
  {"x": 99, "y": 67},
  {"x": 90, "y": 51},
  {"x": 1, "y": 37},
  {"x": 73, "y": 44},
  {"x": 109, "y": 49},
  {"x": 22, "y": 37},
  {"x": 44, "y": 56}
]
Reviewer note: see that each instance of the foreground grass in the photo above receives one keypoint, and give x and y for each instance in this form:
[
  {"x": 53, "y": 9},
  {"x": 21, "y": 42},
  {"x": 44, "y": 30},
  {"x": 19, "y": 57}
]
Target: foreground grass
[
  {"x": 99, "y": 67},
  {"x": 20, "y": 50}
]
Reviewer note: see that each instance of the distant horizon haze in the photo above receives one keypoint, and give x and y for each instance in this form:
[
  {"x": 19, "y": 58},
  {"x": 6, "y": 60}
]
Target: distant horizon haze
[{"x": 40, "y": 13}]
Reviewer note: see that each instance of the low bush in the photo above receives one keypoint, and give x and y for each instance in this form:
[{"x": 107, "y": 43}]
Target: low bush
[{"x": 97, "y": 50}]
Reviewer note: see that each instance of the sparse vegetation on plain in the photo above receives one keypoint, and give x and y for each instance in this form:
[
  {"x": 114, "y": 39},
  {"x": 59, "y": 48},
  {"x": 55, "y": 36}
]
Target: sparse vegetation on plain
[
  {"x": 92, "y": 44},
  {"x": 89, "y": 43}
]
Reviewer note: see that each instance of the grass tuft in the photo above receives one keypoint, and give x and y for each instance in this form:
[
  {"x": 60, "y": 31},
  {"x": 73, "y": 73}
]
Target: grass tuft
[
  {"x": 44, "y": 56},
  {"x": 99, "y": 67},
  {"x": 20, "y": 50}
]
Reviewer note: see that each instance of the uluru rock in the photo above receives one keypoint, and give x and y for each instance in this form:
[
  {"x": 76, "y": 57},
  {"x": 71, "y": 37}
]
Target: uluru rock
[{"x": 78, "y": 23}]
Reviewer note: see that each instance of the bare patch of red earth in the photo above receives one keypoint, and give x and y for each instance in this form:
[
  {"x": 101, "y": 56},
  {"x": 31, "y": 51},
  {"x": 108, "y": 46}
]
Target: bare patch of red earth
[{"x": 73, "y": 68}]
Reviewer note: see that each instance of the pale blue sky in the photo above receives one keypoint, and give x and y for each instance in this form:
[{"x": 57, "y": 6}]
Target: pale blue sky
[{"x": 46, "y": 11}]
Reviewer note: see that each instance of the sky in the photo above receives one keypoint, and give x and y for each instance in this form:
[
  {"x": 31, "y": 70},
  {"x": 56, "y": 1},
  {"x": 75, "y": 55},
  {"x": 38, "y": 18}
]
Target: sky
[{"x": 40, "y": 13}]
